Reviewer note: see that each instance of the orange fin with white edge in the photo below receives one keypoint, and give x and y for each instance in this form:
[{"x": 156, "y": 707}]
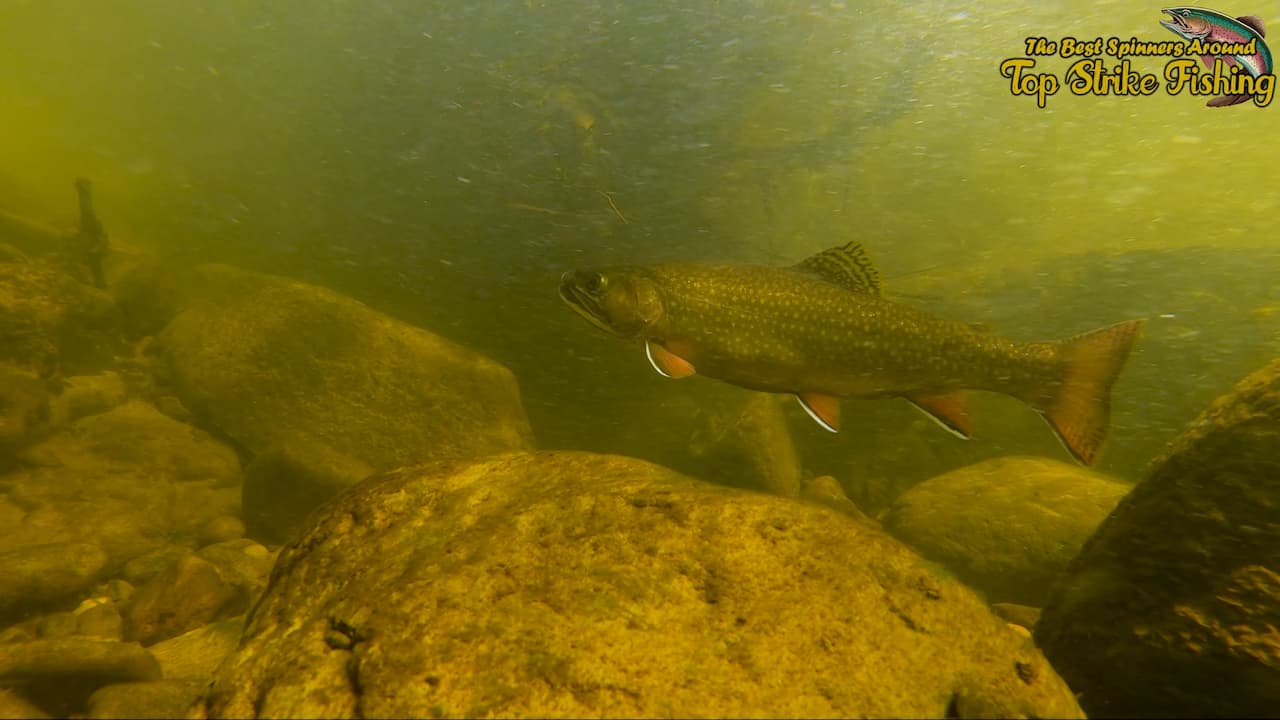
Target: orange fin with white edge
[
  {"x": 667, "y": 363},
  {"x": 1079, "y": 408},
  {"x": 950, "y": 410},
  {"x": 824, "y": 409}
]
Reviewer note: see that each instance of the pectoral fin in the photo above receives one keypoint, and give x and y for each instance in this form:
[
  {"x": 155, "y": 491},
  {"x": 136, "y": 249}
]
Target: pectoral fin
[
  {"x": 824, "y": 409},
  {"x": 667, "y": 363},
  {"x": 950, "y": 410}
]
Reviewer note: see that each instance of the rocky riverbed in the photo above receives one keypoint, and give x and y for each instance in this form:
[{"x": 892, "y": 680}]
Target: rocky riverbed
[{"x": 230, "y": 494}]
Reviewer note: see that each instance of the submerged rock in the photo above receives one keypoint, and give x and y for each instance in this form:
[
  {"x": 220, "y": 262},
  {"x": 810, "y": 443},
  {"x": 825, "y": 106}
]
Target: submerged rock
[
  {"x": 59, "y": 675},
  {"x": 826, "y": 490},
  {"x": 195, "y": 655},
  {"x": 264, "y": 359},
  {"x": 1007, "y": 526},
  {"x": 24, "y": 410},
  {"x": 243, "y": 563},
  {"x": 57, "y": 625},
  {"x": 14, "y": 705},
  {"x": 11, "y": 254},
  {"x": 85, "y": 395},
  {"x": 35, "y": 576},
  {"x": 221, "y": 529},
  {"x": 572, "y": 584},
  {"x": 128, "y": 480},
  {"x": 153, "y": 562},
  {"x": 155, "y": 699},
  {"x": 99, "y": 618},
  {"x": 188, "y": 595},
  {"x": 149, "y": 294},
  {"x": 1022, "y": 615},
  {"x": 286, "y": 482},
  {"x": 49, "y": 321},
  {"x": 1173, "y": 606}
]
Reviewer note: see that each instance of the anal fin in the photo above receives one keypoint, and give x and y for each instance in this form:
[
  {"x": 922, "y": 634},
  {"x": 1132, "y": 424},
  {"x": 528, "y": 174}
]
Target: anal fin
[
  {"x": 667, "y": 363},
  {"x": 824, "y": 409},
  {"x": 950, "y": 410}
]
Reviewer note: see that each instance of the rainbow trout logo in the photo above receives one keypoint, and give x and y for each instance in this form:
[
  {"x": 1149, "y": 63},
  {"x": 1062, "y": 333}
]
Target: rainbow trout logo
[
  {"x": 1243, "y": 64},
  {"x": 1233, "y": 49}
]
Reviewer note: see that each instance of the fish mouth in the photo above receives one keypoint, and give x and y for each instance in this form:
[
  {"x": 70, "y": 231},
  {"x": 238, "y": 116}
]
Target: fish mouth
[
  {"x": 583, "y": 302},
  {"x": 1179, "y": 25}
]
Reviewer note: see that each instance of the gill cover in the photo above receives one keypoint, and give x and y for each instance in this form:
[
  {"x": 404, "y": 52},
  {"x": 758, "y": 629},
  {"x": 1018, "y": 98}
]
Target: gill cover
[{"x": 619, "y": 302}]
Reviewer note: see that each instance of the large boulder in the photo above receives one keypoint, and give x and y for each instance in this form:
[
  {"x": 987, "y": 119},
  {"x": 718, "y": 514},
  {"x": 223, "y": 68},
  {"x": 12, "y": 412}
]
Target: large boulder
[
  {"x": 578, "y": 585},
  {"x": 1007, "y": 526},
  {"x": 1173, "y": 606},
  {"x": 266, "y": 360}
]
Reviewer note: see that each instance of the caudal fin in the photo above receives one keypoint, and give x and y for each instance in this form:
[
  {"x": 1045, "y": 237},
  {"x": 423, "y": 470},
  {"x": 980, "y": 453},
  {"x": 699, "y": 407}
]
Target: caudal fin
[{"x": 1079, "y": 409}]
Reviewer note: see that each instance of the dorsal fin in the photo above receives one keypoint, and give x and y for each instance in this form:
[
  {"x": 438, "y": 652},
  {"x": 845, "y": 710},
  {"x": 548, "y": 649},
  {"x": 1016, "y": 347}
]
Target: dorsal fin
[
  {"x": 847, "y": 266},
  {"x": 1254, "y": 22}
]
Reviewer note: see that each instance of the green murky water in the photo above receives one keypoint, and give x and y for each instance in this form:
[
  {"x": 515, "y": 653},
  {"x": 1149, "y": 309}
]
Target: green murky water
[{"x": 445, "y": 162}]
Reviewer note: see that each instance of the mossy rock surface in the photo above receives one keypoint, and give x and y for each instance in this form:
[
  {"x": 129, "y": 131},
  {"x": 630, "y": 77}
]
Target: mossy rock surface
[
  {"x": 1007, "y": 526},
  {"x": 569, "y": 584},
  {"x": 1173, "y": 606},
  {"x": 264, "y": 360}
]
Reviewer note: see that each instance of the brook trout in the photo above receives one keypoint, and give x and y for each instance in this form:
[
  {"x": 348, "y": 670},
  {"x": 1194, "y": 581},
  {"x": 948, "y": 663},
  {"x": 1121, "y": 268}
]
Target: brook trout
[{"x": 820, "y": 330}]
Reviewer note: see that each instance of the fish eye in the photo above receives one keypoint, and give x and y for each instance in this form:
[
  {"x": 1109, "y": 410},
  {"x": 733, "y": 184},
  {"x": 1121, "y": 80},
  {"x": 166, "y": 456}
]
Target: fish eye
[{"x": 595, "y": 283}]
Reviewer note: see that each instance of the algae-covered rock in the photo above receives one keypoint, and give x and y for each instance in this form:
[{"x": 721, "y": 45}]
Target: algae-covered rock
[
  {"x": 277, "y": 358},
  {"x": 14, "y": 705},
  {"x": 1172, "y": 607},
  {"x": 99, "y": 618},
  {"x": 84, "y": 395},
  {"x": 59, "y": 675},
  {"x": 1007, "y": 526},
  {"x": 190, "y": 594},
  {"x": 155, "y": 699},
  {"x": 577, "y": 585},
  {"x": 149, "y": 294},
  {"x": 151, "y": 563},
  {"x": 128, "y": 480},
  {"x": 24, "y": 410},
  {"x": 243, "y": 563},
  {"x": 11, "y": 254},
  {"x": 37, "y": 575},
  {"x": 195, "y": 655},
  {"x": 287, "y": 481},
  {"x": 50, "y": 321},
  {"x": 826, "y": 490},
  {"x": 1023, "y": 615},
  {"x": 221, "y": 529}
]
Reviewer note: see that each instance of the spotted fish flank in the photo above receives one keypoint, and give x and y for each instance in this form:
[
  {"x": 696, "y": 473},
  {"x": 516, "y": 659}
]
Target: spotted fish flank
[{"x": 821, "y": 331}]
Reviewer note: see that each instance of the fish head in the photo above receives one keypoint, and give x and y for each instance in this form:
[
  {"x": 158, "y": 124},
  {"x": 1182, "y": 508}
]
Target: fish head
[
  {"x": 623, "y": 303},
  {"x": 1187, "y": 22}
]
